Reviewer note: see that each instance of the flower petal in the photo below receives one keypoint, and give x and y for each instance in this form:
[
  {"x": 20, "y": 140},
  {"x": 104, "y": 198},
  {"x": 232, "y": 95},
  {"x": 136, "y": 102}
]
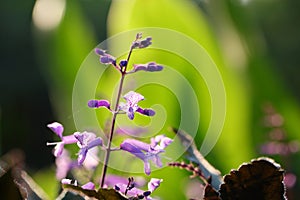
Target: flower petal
[
  {"x": 63, "y": 165},
  {"x": 98, "y": 103},
  {"x": 57, "y": 128},
  {"x": 100, "y": 52},
  {"x": 127, "y": 146},
  {"x": 130, "y": 113},
  {"x": 88, "y": 186},
  {"x": 150, "y": 67},
  {"x": 154, "y": 183},
  {"x": 160, "y": 142},
  {"x": 133, "y": 98},
  {"x": 142, "y": 43},
  {"x": 147, "y": 112},
  {"x": 105, "y": 58},
  {"x": 96, "y": 142},
  {"x": 82, "y": 155},
  {"x": 147, "y": 168},
  {"x": 84, "y": 138},
  {"x": 58, "y": 149},
  {"x": 69, "y": 139},
  {"x": 138, "y": 144}
]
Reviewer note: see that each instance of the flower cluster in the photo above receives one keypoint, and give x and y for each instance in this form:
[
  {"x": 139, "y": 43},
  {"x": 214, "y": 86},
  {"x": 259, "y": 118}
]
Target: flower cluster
[
  {"x": 89, "y": 143},
  {"x": 146, "y": 151}
]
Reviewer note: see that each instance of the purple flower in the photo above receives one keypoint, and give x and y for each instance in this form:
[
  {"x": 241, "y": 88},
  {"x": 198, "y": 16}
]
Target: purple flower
[
  {"x": 63, "y": 164},
  {"x": 150, "y": 67},
  {"x": 138, "y": 43},
  {"x": 105, "y": 58},
  {"x": 123, "y": 63},
  {"x": 86, "y": 141},
  {"x": 87, "y": 186},
  {"x": 91, "y": 160},
  {"x": 147, "y": 152},
  {"x": 98, "y": 103},
  {"x": 132, "y": 191},
  {"x": 111, "y": 180},
  {"x": 154, "y": 183},
  {"x": 160, "y": 142},
  {"x": 130, "y": 107},
  {"x": 58, "y": 129}
]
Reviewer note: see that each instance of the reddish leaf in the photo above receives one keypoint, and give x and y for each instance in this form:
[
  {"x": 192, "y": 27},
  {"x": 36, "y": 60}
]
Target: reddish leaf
[
  {"x": 210, "y": 193},
  {"x": 260, "y": 179}
]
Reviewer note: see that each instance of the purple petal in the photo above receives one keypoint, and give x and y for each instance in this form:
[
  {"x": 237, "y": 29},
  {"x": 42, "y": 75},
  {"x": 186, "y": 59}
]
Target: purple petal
[
  {"x": 84, "y": 138},
  {"x": 82, "y": 155},
  {"x": 63, "y": 165},
  {"x": 130, "y": 113},
  {"x": 165, "y": 142},
  {"x": 79, "y": 136},
  {"x": 140, "y": 68},
  {"x": 147, "y": 112},
  {"x": 86, "y": 141},
  {"x": 126, "y": 146},
  {"x": 142, "y": 43},
  {"x": 162, "y": 140},
  {"x": 150, "y": 67},
  {"x": 91, "y": 160},
  {"x": 147, "y": 169},
  {"x": 112, "y": 180},
  {"x": 57, "y": 128},
  {"x": 154, "y": 183},
  {"x": 156, "y": 159},
  {"x": 121, "y": 187},
  {"x": 107, "y": 59},
  {"x": 146, "y": 42},
  {"x": 69, "y": 139},
  {"x": 138, "y": 144},
  {"x": 88, "y": 186},
  {"x": 96, "y": 142},
  {"x": 123, "y": 63},
  {"x": 58, "y": 149},
  {"x": 100, "y": 52},
  {"x": 146, "y": 194},
  {"x": 133, "y": 97},
  {"x": 98, "y": 103},
  {"x": 153, "y": 67},
  {"x": 104, "y": 57}
]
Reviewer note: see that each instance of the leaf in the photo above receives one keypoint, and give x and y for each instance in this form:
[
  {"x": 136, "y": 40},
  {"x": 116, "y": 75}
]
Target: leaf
[
  {"x": 210, "y": 193},
  {"x": 103, "y": 193},
  {"x": 260, "y": 179},
  {"x": 110, "y": 194}
]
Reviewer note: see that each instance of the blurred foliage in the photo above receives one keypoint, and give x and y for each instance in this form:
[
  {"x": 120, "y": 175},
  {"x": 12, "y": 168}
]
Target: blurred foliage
[{"x": 255, "y": 45}]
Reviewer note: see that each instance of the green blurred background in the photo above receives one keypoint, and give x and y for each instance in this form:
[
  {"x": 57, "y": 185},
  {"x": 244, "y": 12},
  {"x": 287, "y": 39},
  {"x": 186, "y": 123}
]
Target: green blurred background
[{"x": 255, "y": 44}]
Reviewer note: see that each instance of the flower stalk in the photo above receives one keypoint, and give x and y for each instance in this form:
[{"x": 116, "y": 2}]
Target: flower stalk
[
  {"x": 111, "y": 134},
  {"x": 122, "y": 68}
]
